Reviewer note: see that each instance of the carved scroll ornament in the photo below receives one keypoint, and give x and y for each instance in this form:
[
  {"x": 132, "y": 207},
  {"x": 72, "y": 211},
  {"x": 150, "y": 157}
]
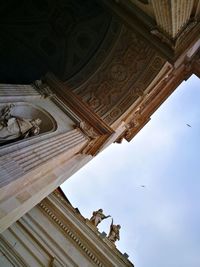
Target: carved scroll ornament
[
  {"x": 43, "y": 89},
  {"x": 88, "y": 130}
]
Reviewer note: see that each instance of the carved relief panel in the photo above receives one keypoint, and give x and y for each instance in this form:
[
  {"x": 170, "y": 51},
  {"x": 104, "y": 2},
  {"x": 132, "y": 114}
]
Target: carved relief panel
[{"x": 122, "y": 78}]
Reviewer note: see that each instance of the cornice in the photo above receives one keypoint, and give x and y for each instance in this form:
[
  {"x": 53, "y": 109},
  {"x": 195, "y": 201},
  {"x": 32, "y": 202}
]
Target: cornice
[
  {"x": 140, "y": 22},
  {"x": 95, "y": 128},
  {"x": 171, "y": 47},
  {"x": 196, "y": 64},
  {"x": 75, "y": 103},
  {"x": 75, "y": 226},
  {"x": 72, "y": 236},
  {"x": 58, "y": 200},
  {"x": 169, "y": 81}
]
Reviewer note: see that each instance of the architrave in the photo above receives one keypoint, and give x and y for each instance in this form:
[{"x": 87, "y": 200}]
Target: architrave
[
  {"x": 140, "y": 22},
  {"x": 164, "y": 88},
  {"x": 132, "y": 18},
  {"x": 75, "y": 103}
]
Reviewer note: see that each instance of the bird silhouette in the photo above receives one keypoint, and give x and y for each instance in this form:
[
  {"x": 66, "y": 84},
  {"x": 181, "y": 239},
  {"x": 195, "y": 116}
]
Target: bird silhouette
[
  {"x": 142, "y": 185},
  {"x": 188, "y": 125}
]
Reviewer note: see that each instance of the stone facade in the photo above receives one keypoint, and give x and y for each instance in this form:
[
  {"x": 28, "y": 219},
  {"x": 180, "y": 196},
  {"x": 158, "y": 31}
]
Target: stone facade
[
  {"x": 27, "y": 164},
  {"x": 105, "y": 67},
  {"x": 53, "y": 233}
]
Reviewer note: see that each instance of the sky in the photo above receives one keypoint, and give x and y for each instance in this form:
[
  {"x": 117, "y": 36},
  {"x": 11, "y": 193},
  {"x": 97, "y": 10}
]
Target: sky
[{"x": 160, "y": 223}]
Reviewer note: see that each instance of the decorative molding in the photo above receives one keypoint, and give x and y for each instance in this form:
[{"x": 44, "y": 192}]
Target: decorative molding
[
  {"x": 135, "y": 121},
  {"x": 88, "y": 130},
  {"x": 185, "y": 31},
  {"x": 96, "y": 141},
  {"x": 77, "y": 219},
  {"x": 75, "y": 103},
  {"x": 11, "y": 254},
  {"x": 56, "y": 263},
  {"x": 72, "y": 235},
  {"x": 196, "y": 65},
  {"x": 88, "y": 121},
  {"x": 123, "y": 78},
  {"x": 139, "y": 22},
  {"x": 160, "y": 92},
  {"x": 162, "y": 37},
  {"x": 17, "y": 163},
  {"x": 187, "y": 37},
  {"x": 175, "y": 29},
  {"x": 43, "y": 89},
  {"x": 95, "y": 145}
]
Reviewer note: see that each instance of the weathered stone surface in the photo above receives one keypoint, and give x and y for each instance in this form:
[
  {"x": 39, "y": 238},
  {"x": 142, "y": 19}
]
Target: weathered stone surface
[{"x": 53, "y": 233}]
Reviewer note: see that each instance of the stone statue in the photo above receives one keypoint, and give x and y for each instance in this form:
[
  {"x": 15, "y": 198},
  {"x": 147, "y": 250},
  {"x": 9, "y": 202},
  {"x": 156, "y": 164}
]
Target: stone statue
[
  {"x": 97, "y": 217},
  {"x": 13, "y": 127},
  {"x": 114, "y": 232}
]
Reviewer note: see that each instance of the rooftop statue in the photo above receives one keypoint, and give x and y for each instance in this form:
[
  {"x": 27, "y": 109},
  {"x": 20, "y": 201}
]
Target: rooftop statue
[
  {"x": 114, "y": 232},
  {"x": 13, "y": 127},
  {"x": 98, "y": 216}
]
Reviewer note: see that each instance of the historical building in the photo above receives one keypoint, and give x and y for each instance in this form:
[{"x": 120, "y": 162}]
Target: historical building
[
  {"x": 55, "y": 234},
  {"x": 77, "y": 76}
]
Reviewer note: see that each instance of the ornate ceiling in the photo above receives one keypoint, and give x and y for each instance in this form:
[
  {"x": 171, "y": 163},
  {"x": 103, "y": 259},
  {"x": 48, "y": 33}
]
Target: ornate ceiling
[
  {"x": 38, "y": 36},
  {"x": 98, "y": 58},
  {"x": 122, "y": 78}
]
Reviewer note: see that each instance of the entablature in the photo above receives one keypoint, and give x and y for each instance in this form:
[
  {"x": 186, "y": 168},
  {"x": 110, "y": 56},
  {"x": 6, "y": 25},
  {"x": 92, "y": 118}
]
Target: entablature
[
  {"x": 171, "y": 27},
  {"x": 161, "y": 88}
]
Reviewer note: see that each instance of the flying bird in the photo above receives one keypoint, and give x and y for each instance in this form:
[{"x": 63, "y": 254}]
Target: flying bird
[
  {"x": 142, "y": 185},
  {"x": 188, "y": 125}
]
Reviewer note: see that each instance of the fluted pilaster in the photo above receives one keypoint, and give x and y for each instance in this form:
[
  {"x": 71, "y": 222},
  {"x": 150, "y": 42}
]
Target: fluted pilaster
[
  {"x": 13, "y": 90},
  {"x": 20, "y": 162},
  {"x": 172, "y": 15}
]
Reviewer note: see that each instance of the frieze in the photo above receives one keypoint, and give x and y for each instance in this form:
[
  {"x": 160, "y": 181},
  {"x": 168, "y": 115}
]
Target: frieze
[
  {"x": 122, "y": 79},
  {"x": 136, "y": 91},
  {"x": 170, "y": 79},
  {"x": 71, "y": 235}
]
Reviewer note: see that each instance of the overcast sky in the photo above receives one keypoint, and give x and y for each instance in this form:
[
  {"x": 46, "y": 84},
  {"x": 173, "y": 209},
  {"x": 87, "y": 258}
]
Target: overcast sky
[{"x": 160, "y": 223}]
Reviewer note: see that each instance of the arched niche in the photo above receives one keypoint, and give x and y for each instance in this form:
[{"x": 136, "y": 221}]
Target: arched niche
[{"x": 29, "y": 111}]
